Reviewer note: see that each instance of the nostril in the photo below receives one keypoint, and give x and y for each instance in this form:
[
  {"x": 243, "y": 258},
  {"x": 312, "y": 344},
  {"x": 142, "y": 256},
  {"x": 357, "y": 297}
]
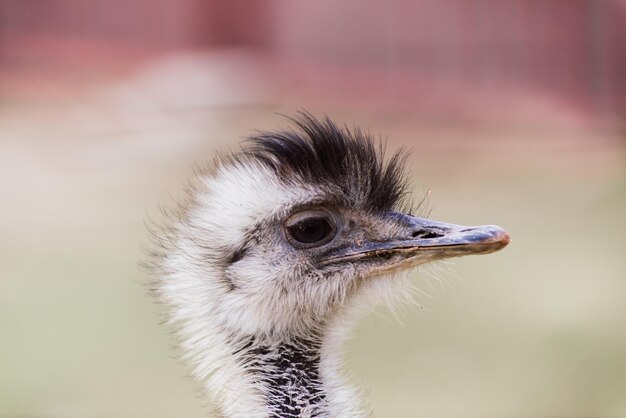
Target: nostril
[{"x": 426, "y": 234}]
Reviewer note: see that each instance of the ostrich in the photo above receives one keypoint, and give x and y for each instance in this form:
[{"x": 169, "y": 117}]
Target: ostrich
[{"x": 263, "y": 268}]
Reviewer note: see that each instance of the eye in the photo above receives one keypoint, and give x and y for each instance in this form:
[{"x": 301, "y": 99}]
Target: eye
[{"x": 309, "y": 229}]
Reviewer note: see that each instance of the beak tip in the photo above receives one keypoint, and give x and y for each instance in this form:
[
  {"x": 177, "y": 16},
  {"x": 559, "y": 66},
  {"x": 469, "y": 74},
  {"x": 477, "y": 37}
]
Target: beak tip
[
  {"x": 488, "y": 238},
  {"x": 500, "y": 237}
]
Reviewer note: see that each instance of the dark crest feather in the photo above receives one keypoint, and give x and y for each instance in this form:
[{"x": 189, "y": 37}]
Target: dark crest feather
[{"x": 321, "y": 152}]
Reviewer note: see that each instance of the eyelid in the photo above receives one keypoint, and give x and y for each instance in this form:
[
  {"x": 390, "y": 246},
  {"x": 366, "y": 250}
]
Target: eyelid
[{"x": 310, "y": 213}]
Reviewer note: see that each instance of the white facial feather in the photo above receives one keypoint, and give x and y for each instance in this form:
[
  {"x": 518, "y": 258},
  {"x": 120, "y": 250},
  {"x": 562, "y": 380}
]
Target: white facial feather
[{"x": 206, "y": 313}]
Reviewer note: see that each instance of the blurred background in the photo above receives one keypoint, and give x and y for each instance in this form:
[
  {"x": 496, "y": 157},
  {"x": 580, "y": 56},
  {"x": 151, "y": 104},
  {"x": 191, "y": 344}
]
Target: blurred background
[{"x": 514, "y": 110}]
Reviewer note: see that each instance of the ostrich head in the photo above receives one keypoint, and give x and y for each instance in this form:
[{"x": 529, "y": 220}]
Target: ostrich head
[{"x": 274, "y": 247}]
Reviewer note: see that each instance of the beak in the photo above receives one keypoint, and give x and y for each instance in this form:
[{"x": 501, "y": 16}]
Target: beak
[{"x": 422, "y": 240}]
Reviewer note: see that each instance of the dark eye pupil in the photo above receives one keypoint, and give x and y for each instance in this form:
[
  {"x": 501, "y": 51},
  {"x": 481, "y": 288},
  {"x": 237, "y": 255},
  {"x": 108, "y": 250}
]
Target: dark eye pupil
[{"x": 311, "y": 230}]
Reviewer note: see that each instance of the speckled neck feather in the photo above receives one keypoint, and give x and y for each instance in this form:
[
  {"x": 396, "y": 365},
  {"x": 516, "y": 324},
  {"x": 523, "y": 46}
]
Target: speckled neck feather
[{"x": 290, "y": 371}]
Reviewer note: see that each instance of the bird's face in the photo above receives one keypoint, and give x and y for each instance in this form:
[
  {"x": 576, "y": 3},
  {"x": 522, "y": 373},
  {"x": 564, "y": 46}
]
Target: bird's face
[
  {"x": 294, "y": 254},
  {"x": 284, "y": 233}
]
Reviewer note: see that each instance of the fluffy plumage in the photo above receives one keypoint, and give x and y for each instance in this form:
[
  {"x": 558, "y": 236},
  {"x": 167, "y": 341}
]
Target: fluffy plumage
[{"x": 264, "y": 266}]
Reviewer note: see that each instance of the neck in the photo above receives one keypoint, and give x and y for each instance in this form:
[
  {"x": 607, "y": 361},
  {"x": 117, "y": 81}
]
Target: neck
[
  {"x": 292, "y": 376},
  {"x": 289, "y": 370}
]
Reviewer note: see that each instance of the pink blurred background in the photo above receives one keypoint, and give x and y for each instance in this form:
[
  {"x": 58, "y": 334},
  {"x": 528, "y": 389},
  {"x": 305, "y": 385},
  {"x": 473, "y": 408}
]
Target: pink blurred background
[{"x": 424, "y": 53}]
